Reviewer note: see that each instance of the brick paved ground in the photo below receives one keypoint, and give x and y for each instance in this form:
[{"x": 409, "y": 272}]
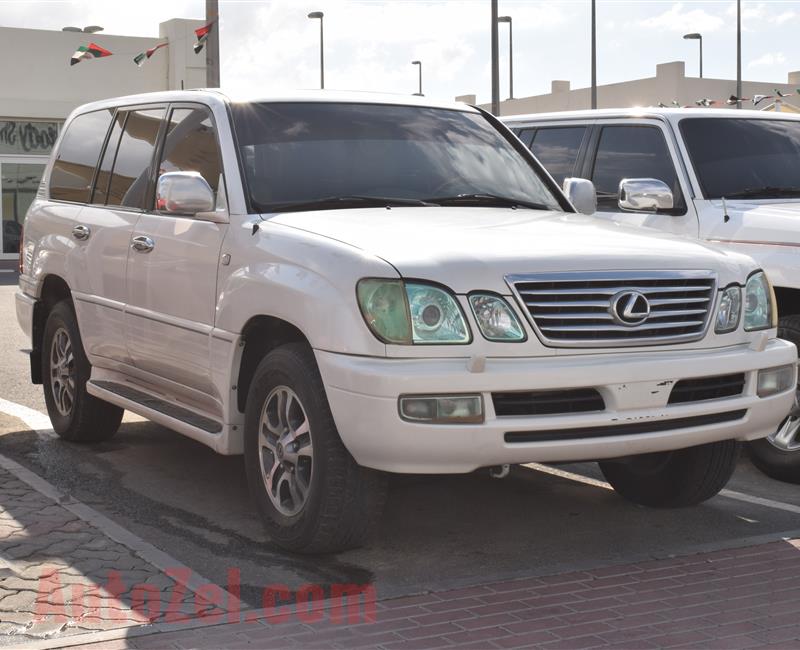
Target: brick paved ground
[
  {"x": 60, "y": 576},
  {"x": 740, "y": 598}
]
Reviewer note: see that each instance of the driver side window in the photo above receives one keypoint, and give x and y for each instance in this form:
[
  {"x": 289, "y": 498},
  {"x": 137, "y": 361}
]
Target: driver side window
[
  {"x": 191, "y": 145},
  {"x": 633, "y": 152}
]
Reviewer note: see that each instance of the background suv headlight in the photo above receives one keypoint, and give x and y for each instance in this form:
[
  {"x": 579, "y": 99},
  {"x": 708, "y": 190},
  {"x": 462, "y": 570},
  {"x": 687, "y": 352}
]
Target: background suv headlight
[
  {"x": 729, "y": 310},
  {"x": 760, "y": 311},
  {"x": 411, "y": 312}
]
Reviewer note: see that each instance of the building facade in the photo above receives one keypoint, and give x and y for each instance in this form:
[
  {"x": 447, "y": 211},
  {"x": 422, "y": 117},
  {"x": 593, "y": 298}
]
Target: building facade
[
  {"x": 40, "y": 88},
  {"x": 670, "y": 84}
]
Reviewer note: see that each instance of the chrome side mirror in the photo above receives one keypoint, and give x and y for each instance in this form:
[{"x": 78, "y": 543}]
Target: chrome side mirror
[
  {"x": 644, "y": 195},
  {"x": 581, "y": 194},
  {"x": 184, "y": 193}
]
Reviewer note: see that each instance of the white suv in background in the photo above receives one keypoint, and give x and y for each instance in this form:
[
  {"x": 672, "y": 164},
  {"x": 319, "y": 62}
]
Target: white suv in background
[
  {"x": 340, "y": 285},
  {"x": 729, "y": 177}
]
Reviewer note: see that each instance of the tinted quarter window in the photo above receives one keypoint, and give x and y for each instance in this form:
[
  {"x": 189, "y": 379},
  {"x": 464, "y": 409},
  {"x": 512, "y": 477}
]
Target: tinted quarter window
[
  {"x": 104, "y": 173},
  {"x": 131, "y": 175},
  {"x": 632, "y": 152},
  {"x": 73, "y": 170},
  {"x": 557, "y": 149},
  {"x": 744, "y": 158},
  {"x": 191, "y": 145}
]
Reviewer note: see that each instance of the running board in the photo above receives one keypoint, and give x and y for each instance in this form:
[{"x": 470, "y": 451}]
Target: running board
[{"x": 170, "y": 415}]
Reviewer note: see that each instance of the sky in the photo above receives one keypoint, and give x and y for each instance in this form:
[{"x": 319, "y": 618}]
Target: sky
[{"x": 369, "y": 44}]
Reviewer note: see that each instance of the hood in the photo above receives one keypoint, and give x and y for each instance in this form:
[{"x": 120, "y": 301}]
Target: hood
[
  {"x": 765, "y": 221},
  {"x": 469, "y": 249}
]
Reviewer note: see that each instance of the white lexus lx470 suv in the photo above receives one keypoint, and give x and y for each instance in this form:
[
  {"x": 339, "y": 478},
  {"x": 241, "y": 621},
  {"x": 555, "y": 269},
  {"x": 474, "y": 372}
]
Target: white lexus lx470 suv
[{"x": 339, "y": 286}]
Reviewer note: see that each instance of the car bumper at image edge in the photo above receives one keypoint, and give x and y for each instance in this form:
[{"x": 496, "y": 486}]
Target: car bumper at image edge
[{"x": 363, "y": 394}]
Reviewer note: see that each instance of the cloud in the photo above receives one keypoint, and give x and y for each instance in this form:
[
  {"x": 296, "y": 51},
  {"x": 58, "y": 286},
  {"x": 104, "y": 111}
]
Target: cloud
[
  {"x": 770, "y": 58},
  {"x": 680, "y": 19},
  {"x": 783, "y": 17}
]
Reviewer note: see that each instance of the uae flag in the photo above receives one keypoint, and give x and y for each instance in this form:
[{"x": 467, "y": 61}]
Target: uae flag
[
  {"x": 139, "y": 59},
  {"x": 86, "y": 52},
  {"x": 202, "y": 36}
]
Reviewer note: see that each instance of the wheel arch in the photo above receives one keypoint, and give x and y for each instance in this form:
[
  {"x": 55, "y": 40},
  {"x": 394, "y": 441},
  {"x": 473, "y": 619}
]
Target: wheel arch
[
  {"x": 788, "y": 301},
  {"x": 260, "y": 335}
]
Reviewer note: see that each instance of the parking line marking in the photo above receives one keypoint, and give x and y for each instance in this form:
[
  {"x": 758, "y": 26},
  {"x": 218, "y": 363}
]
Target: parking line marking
[
  {"x": 6, "y": 270},
  {"x": 40, "y": 423},
  {"x": 730, "y": 494},
  {"x": 571, "y": 476},
  {"x": 768, "y": 503}
]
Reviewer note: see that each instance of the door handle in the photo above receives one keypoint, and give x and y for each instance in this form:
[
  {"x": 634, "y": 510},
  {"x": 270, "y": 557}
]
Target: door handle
[
  {"x": 142, "y": 244},
  {"x": 81, "y": 232}
]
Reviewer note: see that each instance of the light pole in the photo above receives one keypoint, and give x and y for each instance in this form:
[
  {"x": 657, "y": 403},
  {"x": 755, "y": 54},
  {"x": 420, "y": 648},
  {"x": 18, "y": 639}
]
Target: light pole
[
  {"x": 594, "y": 57},
  {"x": 697, "y": 37},
  {"x": 507, "y": 19},
  {"x": 495, "y": 63},
  {"x": 419, "y": 63},
  {"x": 320, "y": 15},
  {"x": 739, "y": 52},
  {"x": 212, "y": 44}
]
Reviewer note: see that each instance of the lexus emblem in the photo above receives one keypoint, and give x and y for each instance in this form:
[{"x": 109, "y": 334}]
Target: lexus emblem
[{"x": 629, "y": 308}]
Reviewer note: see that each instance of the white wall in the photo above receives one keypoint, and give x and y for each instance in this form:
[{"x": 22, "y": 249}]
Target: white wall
[
  {"x": 37, "y": 80},
  {"x": 670, "y": 83}
]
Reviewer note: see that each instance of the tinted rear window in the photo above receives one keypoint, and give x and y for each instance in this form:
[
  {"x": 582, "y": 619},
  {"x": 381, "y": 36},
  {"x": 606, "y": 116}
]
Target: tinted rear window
[
  {"x": 131, "y": 175},
  {"x": 73, "y": 170},
  {"x": 557, "y": 149}
]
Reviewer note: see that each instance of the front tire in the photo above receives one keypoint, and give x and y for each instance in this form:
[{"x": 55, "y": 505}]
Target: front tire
[
  {"x": 310, "y": 492},
  {"x": 76, "y": 415},
  {"x": 674, "y": 479},
  {"x": 778, "y": 455}
]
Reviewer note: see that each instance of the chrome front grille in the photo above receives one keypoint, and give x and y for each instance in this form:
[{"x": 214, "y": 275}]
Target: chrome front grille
[{"x": 587, "y": 309}]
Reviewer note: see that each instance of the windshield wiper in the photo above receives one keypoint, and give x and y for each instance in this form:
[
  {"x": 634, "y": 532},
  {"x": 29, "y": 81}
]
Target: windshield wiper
[
  {"x": 340, "y": 203},
  {"x": 487, "y": 199},
  {"x": 766, "y": 192}
]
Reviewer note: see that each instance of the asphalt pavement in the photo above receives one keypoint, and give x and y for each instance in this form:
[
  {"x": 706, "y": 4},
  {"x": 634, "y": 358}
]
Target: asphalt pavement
[{"x": 437, "y": 533}]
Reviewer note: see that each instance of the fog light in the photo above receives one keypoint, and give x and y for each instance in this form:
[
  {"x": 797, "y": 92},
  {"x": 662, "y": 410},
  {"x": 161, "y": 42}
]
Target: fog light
[
  {"x": 775, "y": 380},
  {"x": 442, "y": 409}
]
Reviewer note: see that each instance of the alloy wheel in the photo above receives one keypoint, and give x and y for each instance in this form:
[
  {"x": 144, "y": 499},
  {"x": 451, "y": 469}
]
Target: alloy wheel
[
  {"x": 62, "y": 372},
  {"x": 286, "y": 450}
]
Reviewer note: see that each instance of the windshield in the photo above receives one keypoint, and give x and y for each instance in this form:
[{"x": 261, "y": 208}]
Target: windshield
[
  {"x": 744, "y": 158},
  {"x": 324, "y": 155}
]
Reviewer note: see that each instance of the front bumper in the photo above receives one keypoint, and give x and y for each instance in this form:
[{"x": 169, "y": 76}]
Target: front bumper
[{"x": 363, "y": 394}]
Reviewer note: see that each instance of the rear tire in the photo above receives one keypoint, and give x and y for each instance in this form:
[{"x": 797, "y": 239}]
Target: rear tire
[
  {"x": 674, "y": 479},
  {"x": 76, "y": 415},
  {"x": 310, "y": 492},
  {"x": 780, "y": 458}
]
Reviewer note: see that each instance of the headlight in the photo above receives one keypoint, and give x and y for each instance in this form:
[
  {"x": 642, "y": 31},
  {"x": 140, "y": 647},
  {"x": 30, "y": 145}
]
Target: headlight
[
  {"x": 495, "y": 318},
  {"x": 729, "y": 310},
  {"x": 760, "y": 311},
  {"x": 406, "y": 313}
]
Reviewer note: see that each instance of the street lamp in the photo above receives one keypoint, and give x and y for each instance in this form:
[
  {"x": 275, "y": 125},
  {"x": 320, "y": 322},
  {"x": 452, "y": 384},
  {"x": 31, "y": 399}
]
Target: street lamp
[
  {"x": 91, "y": 29},
  {"x": 697, "y": 37},
  {"x": 507, "y": 19},
  {"x": 739, "y": 52},
  {"x": 319, "y": 14},
  {"x": 594, "y": 56},
  {"x": 419, "y": 63}
]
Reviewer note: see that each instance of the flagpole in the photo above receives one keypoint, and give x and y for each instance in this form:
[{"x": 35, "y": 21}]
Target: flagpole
[{"x": 212, "y": 44}]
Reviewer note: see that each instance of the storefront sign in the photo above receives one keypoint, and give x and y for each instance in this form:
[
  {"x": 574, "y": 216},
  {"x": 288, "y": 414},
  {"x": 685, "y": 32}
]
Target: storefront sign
[{"x": 18, "y": 137}]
